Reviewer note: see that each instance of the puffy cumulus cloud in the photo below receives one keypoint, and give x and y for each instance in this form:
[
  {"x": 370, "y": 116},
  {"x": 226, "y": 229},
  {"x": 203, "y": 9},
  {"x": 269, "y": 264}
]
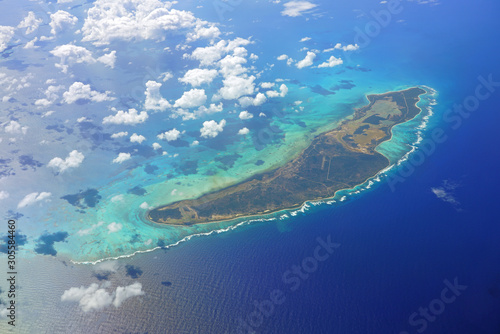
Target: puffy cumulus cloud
[
  {"x": 51, "y": 95},
  {"x": 232, "y": 65},
  {"x": 246, "y": 101},
  {"x": 282, "y": 93},
  {"x": 30, "y": 22},
  {"x": 243, "y": 131},
  {"x": 245, "y": 115},
  {"x": 127, "y": 20},
  {"x": 235, "y": 87},
  {"x": 191, "y": 99},
  {"x": 70, "y": 54},
  {"x": 194, "y": 143},
  {"x": 297, "y": 8},
  {"x": 135, "y": 138},
  {"x": 124, "y": 293},
  {"x": 4, "y": 194},
  {"x": 170, "y": 135},
  {"x": 60, "y": 20},
  {"x": 210, "y": 54},
  {"x": 267, "y": 85},
  {"x": 73, "y": 160},
  {"x": 14, "y": 127},
  {"x": 211, "y": 128},
  {"x": 108, "y": 59},
  {"x": 282, "y": 57},
  {"x": 202, "y": 31},
  {"x": 6, "y": 34},
  {"x": 96, "y": 298},
  {"x": 197, "y": 77},
  {"x": 145, "y": 206},
  {"x": 165, "y": 76},
  {"x": 307, "y": 61},
  {"x": 154, "y": 100},
  {"x": 131, "y": 117},
  {"x": 119, "y": 134},
  {"x": 349, "y": 47},
  {"x": 121, "y": 158},
  {"x": 114, "y": 227},
  {"x": 33, "y": 198},
  {"x": 331, "y": 62},
  {"x": 80, "y": 91},
  {"x": 156, "y": 146}
]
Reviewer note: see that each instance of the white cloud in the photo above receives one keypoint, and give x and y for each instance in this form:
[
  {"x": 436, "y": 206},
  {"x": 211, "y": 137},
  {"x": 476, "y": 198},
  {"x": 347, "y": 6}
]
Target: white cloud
[
  {"x": 195, "y": 143},
  {"x": 331, "y": 62},
  {"x": 89, "y": 230},
  {"x": 32, "y": 198},
  {"x": 4, "y": 194},
  {"x": 282, "y": 93},
  {"x": 235, "y": 87},
  {"x": 80, "y": 91},
  {"x": 114, "y": 227},
  {"x": 127, "y": 20},
  {"x": 117, "y": 198},
  {"x": 97, "y": 298},
  {"x": 170, "y": 135},
  {"x": 243, "y": 131},
  {"x": 282, "y": 57},
  {"x": 307, "y": 61},
  {"x": 121, "y": 158},
  {"x": 119, "y": 134},
  {"x": 14, "y": 127},
  {"x": 30, "y": 22},
  {"x": 156, "y": 146},
  {"x": 197, "y": 77},
  {"x": 232, "y": 65},
  {"x": 245, "y": 115},
  {"x": 154, "y": 100},
  {"x": 145, "y": 206},
  {"x": 131, "y": 117},
  {"x": 51, "y": 95},
  {"x": 165, "y": 76},
  {"x": 446, "y": 192},
  {"x": 124, "y": 293},
  {"x": 135, "y": 138},
  {"x": 211, "y": 129},
  {"x": 201, "y": 31},
  {"x": 61, "y": 20},
  {"x": 108, "y": 59},
  {"x": 297, "y": 8},
  {"x": 210, "y": 54},
  {"x": 305, "y": 39},
  {"x": 191, "y": 99},
  {"x": 267, "y": 85},
  {"x": 349, "y": 47},
  {"x": 6, "y": 34},
  {"x": 91, "y": 298},
  {"x": 246, "y": 101},
  {"x": 73, "y": 160}
]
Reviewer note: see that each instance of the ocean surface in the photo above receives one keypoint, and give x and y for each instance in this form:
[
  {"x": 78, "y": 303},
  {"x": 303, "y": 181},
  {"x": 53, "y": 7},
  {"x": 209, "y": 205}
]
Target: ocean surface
[{"x": 397, "y": 241}]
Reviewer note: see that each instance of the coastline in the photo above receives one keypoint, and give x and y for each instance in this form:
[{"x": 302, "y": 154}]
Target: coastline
[{"x": 296, "y": 207}]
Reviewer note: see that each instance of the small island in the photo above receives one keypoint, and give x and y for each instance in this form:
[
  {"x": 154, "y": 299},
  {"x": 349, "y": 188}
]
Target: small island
[{"x": 338, "y": 159}]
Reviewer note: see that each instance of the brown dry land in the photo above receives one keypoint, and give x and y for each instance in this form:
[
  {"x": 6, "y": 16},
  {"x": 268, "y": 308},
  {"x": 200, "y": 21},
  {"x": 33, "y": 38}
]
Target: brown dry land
[{"x": 337, "y": 159}]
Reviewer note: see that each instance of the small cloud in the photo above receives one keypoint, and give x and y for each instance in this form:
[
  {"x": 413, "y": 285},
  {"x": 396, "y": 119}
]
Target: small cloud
[
  {"x": 170, "y": 135},
  {"x": 244, "y": 115},
  {"x": 211, "y": 128},
  {"x": 114, "y": 227},
  {"x": 446, "y": 193},
  {"x": 331, "y": 62},
  {"x": 33, "y": 198},
  {"x": 4, "y": 194},
  {"x": 307, "y": 61},
  {"x": 243, "y": 131},
  {"x": 297, "y": 8},
  {"x": 156, "y": 146},
  {"x": 119, "y": 134},
  {"x": 145, "y": 206},
  {"x": 121, "y": 158},
  {"x": 117, "y": 198},
  {"x": 89, "y": 230},
  {"x": 305, "y": 39},
  {"x": 135, "y": 138},
  {"x": 79, "y": 91},
  {"x": 73, "y": 160},
  {"x": 132, "y": 117}
]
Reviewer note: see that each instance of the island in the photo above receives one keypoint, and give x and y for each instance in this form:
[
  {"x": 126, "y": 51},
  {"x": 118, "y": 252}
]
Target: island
[{"x": 338, "y": 159}]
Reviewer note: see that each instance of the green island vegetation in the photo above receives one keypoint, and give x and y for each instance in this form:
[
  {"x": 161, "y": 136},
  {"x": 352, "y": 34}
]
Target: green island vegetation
[{"x": 338, "y": 159}]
